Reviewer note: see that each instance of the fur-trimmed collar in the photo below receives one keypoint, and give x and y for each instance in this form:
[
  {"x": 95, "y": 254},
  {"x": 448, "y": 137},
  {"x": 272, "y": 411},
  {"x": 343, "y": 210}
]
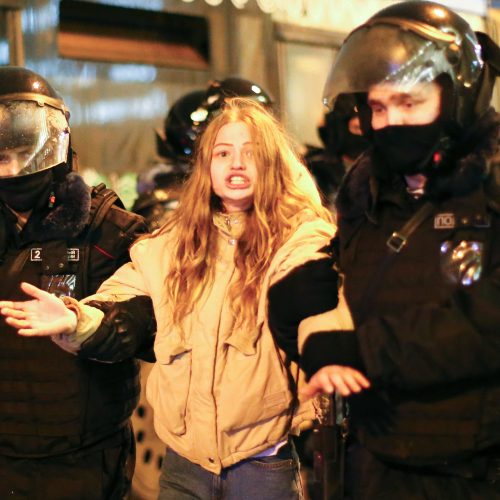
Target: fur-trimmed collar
[
  {"x": 67, "y": 218},
  {"x": 459, "y": 174}
]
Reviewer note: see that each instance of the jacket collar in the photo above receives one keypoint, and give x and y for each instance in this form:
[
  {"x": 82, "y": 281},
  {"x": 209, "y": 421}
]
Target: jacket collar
[
  {"x": 230, "y": 225},
  {"x": 67, "y": 218}
]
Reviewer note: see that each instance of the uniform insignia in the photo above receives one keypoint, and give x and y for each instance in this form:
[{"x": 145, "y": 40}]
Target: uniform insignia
[
  {"x": 444, "y": 221},
  {"x": 462, "y": 264},
  {"x": 72, "y": 253},
  {"x": 36, "y": 255}
]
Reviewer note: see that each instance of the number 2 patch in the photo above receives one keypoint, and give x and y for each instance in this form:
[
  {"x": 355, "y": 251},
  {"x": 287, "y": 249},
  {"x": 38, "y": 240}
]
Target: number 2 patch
[{"x": 73, "y": 254}]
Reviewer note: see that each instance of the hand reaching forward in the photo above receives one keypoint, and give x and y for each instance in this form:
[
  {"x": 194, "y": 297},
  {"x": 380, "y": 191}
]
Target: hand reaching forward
[
  {"x": 335, "y": 378},
  {"x": 44, "y": 315}
]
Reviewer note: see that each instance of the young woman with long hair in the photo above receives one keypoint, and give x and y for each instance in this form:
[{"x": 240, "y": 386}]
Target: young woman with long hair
[{"x": 224, "y": 396}]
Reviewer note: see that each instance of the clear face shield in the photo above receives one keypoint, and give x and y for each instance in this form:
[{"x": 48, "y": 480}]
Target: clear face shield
[
  {"x": 33, "y": 138},
  {"x": 403, "y": 56}
]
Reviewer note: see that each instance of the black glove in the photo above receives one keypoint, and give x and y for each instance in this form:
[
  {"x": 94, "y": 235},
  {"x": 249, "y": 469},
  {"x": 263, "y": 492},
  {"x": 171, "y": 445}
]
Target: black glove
[{"x": 127, "y": 330}]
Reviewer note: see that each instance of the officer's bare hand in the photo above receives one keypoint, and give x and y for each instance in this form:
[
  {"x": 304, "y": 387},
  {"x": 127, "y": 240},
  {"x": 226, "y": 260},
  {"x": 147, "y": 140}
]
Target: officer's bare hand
[
  {"x": 44, "y": 315},
  {"x": 335, "y": 378}
]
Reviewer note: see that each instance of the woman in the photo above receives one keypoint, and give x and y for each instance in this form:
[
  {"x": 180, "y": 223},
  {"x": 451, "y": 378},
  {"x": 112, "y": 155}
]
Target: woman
[{"x": 224, "y": 398}]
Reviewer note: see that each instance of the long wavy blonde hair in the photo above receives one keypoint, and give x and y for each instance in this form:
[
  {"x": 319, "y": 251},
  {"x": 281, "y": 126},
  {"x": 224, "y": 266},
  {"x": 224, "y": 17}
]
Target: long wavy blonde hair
[{"x": 283, "y": 189}]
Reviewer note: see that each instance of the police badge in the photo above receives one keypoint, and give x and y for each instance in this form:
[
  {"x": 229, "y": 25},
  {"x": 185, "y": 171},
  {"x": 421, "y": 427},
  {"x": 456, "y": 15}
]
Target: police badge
[{"x": 462, "y": 264}]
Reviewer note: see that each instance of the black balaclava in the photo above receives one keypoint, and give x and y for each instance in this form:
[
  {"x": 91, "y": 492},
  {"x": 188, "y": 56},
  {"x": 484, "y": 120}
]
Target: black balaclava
[
  {"x": 26, "y": 192},
  {"x": 416, "y": 149},
  {"x": 408, "y": 149},
  {"x": 335, "y": 134}
]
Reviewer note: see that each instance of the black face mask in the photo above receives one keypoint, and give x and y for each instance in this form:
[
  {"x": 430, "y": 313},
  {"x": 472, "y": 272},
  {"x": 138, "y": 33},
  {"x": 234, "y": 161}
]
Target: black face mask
[
  {"x": 407, "y": 149},
  {"x": 26, "y": 192}
]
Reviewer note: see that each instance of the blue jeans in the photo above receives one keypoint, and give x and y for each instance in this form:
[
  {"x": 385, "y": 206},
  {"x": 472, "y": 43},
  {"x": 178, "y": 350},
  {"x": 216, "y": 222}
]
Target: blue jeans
[{"x": 266, "y": 478}]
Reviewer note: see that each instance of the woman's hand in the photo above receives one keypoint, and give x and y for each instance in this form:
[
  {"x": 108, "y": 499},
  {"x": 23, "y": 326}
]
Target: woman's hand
[
  {"x": 44, "y": 315},
  {"x": 335, "y": 378}
]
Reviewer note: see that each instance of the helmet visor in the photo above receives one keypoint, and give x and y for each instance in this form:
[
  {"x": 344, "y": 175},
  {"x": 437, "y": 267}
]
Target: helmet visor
[
  {"x": 32, "y": 138},
  {"x": 388, "y": 54}
]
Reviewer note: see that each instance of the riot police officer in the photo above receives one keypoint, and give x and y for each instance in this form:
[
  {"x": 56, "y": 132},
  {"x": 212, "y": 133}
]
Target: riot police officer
[
  {"x": 415, "y": 344},
  {"x": 235, "y": 86},
  {"x": 158, "y": 187},
  {"x": 64, "y": 429},
  {"x": 343, "y": 142}
]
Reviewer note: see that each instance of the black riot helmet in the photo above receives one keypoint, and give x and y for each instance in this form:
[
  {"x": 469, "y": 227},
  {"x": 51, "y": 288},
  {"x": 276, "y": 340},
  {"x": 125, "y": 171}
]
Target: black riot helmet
[
  {"x": 34, "y": 129},
  {"x": 220, "y": 90},
  {"x": 183, "y": 123},
  {"x": 416, "y": 42}
]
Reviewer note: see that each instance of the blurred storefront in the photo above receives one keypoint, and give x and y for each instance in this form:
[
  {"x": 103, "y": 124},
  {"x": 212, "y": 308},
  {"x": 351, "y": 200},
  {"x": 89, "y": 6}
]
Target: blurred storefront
[{"x": 119, "y": 64}]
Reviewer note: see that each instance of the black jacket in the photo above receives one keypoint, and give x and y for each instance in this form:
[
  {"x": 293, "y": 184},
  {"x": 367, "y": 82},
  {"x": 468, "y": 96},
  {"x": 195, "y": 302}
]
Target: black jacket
[
  {"x": 53, "y": 402},
  {"x": 429, "y": 343}
]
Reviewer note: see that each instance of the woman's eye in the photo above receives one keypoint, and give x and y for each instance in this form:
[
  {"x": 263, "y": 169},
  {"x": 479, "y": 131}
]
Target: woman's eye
[{"x": 222, "y": 154}]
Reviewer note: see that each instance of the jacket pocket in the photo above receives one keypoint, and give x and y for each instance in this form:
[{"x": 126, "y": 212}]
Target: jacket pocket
[
  {"x": 259, "y": 385},
  {"x": 168, "y": 389}
]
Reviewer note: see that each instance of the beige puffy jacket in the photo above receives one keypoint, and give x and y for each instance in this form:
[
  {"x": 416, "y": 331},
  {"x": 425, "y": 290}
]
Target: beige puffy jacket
[{"x": 220, "y": 394}]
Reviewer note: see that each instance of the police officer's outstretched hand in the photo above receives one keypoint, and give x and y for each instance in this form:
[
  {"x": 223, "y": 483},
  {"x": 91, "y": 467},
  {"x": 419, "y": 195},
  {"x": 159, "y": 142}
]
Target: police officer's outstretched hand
[
  {"x": 45, "y": 315},
  {"x": 335, "y": 378}
]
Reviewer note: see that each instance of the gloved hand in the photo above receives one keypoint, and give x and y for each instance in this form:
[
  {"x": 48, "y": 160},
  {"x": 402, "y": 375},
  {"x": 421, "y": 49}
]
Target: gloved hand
[{"x": 127, "y": 330}]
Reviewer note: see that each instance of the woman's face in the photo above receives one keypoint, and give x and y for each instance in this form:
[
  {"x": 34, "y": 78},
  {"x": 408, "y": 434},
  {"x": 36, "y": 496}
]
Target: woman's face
[{"x": 232, "y": 170}]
